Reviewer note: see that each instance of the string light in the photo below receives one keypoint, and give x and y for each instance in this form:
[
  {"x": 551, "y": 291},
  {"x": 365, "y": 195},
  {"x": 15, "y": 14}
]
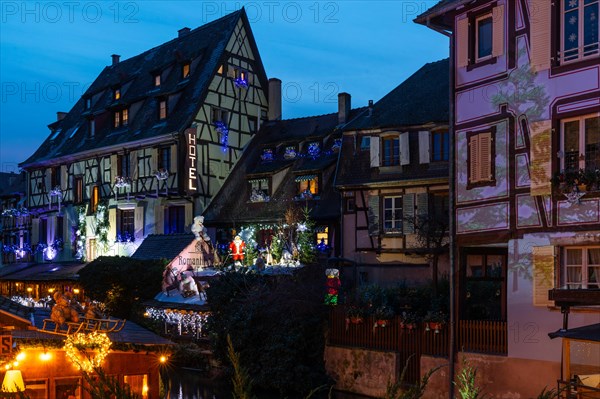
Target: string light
[
  {"x": 76, "y": 346},
  {"x": 186, "y": 321}
]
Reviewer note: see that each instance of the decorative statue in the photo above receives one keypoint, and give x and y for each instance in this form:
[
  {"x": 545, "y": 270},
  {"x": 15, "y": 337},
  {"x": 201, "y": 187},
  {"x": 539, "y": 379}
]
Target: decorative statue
[
  {"x": 204, "y": 244},
  {"x": 199, "y": 230},
  {"x": 65, "y": 308},
  {"x": 236, "y": 248},
  {"x": 187, "y": 285},
  {"x": 333, "y": 285}
]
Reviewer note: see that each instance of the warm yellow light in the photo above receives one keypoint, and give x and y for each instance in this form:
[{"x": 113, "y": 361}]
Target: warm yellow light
[
  {"x": 45, "y": 356},
  {"x": 163, "y": 359},
  {"x": 77, "y": 344},
  {"x": 13, "y": 381},
  {"x": 146, "y": 314},
  {"x": 20, "y": 356},
  {"x": 15, "y": 364},
  {"x": 145, "y": 390},
  {"x": 7, "y": 366},
  {"x": 29, "y": 289},
  {"x": 51, "y": 290},
  {"x": 76, "y": 290}
]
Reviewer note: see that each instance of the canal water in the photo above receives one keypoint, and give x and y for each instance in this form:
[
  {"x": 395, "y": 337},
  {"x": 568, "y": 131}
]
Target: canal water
[{"x": 193, "y": 384}]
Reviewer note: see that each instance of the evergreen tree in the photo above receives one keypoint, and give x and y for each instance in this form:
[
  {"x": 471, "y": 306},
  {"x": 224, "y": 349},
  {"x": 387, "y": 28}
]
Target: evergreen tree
[{"x": 306, "y": 238}]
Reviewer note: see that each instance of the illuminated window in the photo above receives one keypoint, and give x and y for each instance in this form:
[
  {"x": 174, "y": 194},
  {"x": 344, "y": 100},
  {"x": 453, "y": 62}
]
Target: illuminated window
[
  {"x": 221, "y": 69},
  {"x": 185, "y": 70},
  {"x": 117, "y": 94},
  {"x": 126, "y": 223},
  {"x": 94, "y": 199},
  {"x": 308, "y": 184},
  {"x": 121, "y": 118},
  {"x": 138, "y": 384},
  {"x": 157, "y": 80},
  {"x": 323, "y": 236},
  {"x": 78, "y": 189},
  {"x": 162, "y": 109},
  {"x": 260, "y": 185}
]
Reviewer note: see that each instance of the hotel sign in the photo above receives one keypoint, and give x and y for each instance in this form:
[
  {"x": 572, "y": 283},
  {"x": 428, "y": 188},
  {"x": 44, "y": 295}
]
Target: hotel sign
[{"x": 191, "y": 162}]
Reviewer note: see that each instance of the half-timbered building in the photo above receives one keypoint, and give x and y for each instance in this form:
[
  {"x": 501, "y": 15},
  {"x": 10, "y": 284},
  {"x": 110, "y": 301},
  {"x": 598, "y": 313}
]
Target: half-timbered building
[
  {"x": 525, "y": 79},
  {"x": 15, "y": 221},
  {"x": 149, "y": 143},
  {"x": 290, "y": 165},
  {"x": 393, "y": 178}
]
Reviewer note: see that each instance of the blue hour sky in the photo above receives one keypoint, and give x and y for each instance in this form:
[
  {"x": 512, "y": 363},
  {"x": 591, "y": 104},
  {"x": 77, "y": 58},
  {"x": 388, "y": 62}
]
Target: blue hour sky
[{"x": 51, "y": 51}]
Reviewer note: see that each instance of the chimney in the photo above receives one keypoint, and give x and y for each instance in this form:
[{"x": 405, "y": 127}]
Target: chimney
[
  {"x": 60, "y": 116},
  {"x": 115, "y": 59},
  {"x": 343, "y": 107},
  {"x": 370, "y": 107},
  {"x": 183, "y": 31},
  {"x": 274, "y": 99}
]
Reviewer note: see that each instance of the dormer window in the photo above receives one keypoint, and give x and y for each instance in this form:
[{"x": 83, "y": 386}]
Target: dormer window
[
  {"x": 259, "y": 190},
  {"x": 162, "y": 109},
  {"x": 314, "y": 149},
  {"x": 308, "y": 186},
  {"x": 241, "y": 78},
  {"x": 290, "y": 152},
  {"x": 121, "y": 118},
  {"x": 185, "y": 70},
  {"x": 92, "y": 127},
  {"x": 157, "y": 80},
  {"x": 267, "y": 155},
  {"x": 220, "y": 115},
  {"x": 88, "y": 103},
  {"x": 117, "y": 94}
]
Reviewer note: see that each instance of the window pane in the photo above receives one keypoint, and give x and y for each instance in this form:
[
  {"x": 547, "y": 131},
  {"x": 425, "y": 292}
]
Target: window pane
[
  {"x": 571, "y": 34},
  {"x": 594, "y": 256},
  {"x": 570, "y": 4},
  {"x": 574, "y": 257},
  {"x": 494, "y": 265},
  {"x": 590, "y": 29},
  {"x": 388, "y": 203},
  {"x": 571, "y": 145},
  {"x": 592, "y": 143},
  {"x": 484, "y": 37}
]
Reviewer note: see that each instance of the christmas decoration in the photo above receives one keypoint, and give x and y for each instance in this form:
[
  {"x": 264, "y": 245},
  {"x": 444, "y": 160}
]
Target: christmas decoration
[
  {"x": 223, "y": 131},
  {"x": 267, "y": 155},
  {"x": 259, "y": 196},
  {"x": 189, "y": 322},
  {"x": 237, "y": 248},
  {"x": 65, "y": 309},
  {"x": 314, "y": 150},
  {"x": 241, "y": 81},
  {"x": 77, "y": 346},
  {"x": 333, "y": 285}
]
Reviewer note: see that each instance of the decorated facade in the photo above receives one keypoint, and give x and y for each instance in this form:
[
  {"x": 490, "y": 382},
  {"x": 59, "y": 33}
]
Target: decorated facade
[
  {"x": 15, "y": 220},
  {"x": 149, "y": 143},
  {"x": 526, "y": 138},
  {"x": 280, "y": 198},
  {"x": 393, "y": 179}
]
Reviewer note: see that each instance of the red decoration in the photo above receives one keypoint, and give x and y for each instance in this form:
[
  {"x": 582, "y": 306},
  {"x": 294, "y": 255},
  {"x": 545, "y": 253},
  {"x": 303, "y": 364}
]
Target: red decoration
[{"x": 237, "y": 247}]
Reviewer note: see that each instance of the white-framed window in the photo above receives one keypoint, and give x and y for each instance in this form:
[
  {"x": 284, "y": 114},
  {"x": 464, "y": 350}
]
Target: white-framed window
[
  {"x": 581, "y": 267},
  {"x": 392, "y": 214},
  {"x": 580, "y": 142},
  {"x": 483, "y": 37},
  {"x": 481, "y": 157},
  {"x": 579, "y": 29},
  {"x": 260, "y": 185}
]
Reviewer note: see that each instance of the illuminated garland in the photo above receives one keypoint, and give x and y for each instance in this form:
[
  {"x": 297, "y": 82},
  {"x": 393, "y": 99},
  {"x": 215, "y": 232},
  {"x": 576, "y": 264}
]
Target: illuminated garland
[
  {"x": 189, "y": 321},
  {"x": 81, "y": 233},
  {"x": 77, "y": 344},
  {"x": 14, "y": 212},
  {"x": 223, "y": 130}
]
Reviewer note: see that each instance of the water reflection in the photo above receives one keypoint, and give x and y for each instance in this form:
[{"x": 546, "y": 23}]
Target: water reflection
[{"x": 193, "y": 384}]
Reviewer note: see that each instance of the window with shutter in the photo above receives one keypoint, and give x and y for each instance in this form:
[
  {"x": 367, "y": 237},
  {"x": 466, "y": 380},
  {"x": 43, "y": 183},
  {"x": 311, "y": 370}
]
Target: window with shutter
[
  {"x": 391, "y": 150},
  {"x": 374, "y": 150},
  {"x": 480, "y": 37},
  {"x": 392, "y": 214},
  {"x": 462, "y": 42},
  {"x": 580, "y": 268},
  {"x": 373, "y": 215},
  {"x": 408, "y": 209},
  {"x": 481, "y": 158},
  {"x": 579, "y": 30}
]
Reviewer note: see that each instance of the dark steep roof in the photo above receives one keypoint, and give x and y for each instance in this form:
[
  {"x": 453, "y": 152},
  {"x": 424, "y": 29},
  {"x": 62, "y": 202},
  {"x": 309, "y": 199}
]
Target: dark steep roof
[
  {"x": 420, "y": 99},
  {"x": 440, "y": 13},
  {"x": 12, "y": 183},
  {"x": 202, "y": 47},
  {"x": 231, "y": 206},
  {"x": 163, "y": 246}
]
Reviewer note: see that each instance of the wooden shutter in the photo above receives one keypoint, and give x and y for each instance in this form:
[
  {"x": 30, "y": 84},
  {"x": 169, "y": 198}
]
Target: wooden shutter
[
  {"x": 159, "y": 220},
  {"x": 189, "y": 216},
  {"x": 374, "y": 146},
  {"x": 543, "y": 275},
  {"x": 48, "y": 180},
  {"x": 153, "y": 160},
  {"x": 541, "y": 157},
  {"x": 485, "y": 156},
  {"x": 373, "y": 215},
  {"x": 133, "y": 170},
  {"x": 462, "y": 42},
  {"x": 138, "y": 223},
  {"x": 474, "y": 175},
  {"x": 498, "y": 31},
  {"x": 173, "y": 166},
  {"x": 112, "y": 224},
  {"x": 423, "y": 204},
  {"x": 64, "y": 177},
  {"x": 424, "y": 144},
  {"x": 408, "y": 211},
  {"x": 114, "y": 170},
  {"x": 404, "y": 149},
  {"x": 35, "y": 231},
  {"x": 540, "y": 17}
]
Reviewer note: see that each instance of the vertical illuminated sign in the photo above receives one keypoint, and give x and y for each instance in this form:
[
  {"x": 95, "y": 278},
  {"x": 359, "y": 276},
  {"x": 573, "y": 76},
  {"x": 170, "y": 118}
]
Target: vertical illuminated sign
[{"x": 191, "y": 161}]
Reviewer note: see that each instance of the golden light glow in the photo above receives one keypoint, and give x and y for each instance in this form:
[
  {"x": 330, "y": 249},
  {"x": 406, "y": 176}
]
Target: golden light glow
[
  {"x": 145, "y": 390},
  {"x": 13, "y": 381},
  {"x": 78, "y": 347},
  {"x": 45, "y": 356},
  {"x": 163, "y": 359},
  {"x": 15, "y": 364},
  {"x": 7, "y": 366},
  {"x": 20, "y": 356},
  {"x": 76, "y": 290},
  {"x": 51, "y": 290},
  {"x": 29, "y": 289}
]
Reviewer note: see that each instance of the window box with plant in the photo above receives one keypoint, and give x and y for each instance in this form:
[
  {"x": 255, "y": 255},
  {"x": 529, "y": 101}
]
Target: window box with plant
[
  {"x": 434, "y": 320},
  {"x": 582, "y": 180},
  {"x": 355, "y": 315},
  {"x": 382, "y": 315}
]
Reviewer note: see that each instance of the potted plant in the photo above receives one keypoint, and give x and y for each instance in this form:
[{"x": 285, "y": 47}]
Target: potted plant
[
  {"x": 383, "y": 315},
  {"x": 434, "y": 320},
  {"x": 408, "y": 320},
  {"x": 355, "y": 314}
]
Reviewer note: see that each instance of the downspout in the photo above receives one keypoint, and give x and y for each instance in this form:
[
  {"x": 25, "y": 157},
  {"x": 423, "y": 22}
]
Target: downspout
[{"x": 452, "y": 226}]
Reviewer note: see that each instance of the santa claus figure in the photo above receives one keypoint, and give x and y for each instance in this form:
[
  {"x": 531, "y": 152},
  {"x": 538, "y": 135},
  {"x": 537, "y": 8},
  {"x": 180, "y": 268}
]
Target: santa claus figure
[{"x": 236, "y": 248}]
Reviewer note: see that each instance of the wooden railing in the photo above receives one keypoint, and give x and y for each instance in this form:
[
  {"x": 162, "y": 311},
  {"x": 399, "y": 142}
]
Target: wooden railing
[{"x": 483, "y": 336}]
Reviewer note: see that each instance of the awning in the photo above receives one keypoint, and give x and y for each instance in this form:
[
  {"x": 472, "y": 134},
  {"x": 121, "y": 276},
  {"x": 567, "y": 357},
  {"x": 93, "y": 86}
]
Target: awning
[
  {"x": 305, "y": 178},
  {"x": 585, "y": 333}
]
